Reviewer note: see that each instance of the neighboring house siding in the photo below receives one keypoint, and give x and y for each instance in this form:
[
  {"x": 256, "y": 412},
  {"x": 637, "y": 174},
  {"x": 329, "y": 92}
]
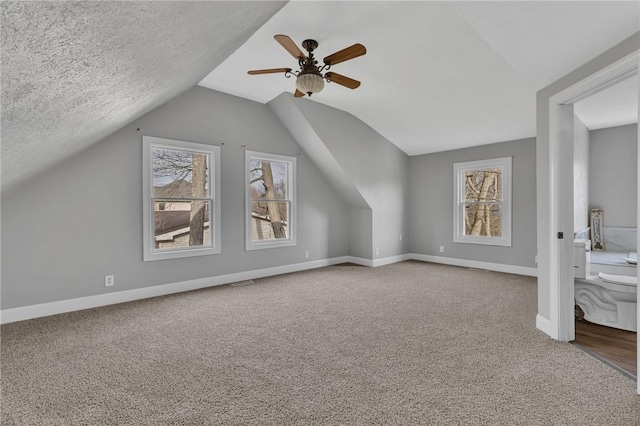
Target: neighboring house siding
[
  {"x": 261, "y": 229},
  {"x": 180, "y": 240},
  {"x": 169, "y": 206}
]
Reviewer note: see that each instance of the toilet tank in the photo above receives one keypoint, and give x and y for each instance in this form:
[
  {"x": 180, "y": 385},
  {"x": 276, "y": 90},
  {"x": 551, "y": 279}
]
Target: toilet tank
[{"x": 581, "y": 258}]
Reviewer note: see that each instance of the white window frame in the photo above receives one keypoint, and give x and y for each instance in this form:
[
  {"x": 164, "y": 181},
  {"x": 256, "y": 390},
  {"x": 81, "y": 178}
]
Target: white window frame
[
  {"x": 291, "y": 198},
  {"x": 459, "y": 170},
  {"x": 150, "y": 253}
]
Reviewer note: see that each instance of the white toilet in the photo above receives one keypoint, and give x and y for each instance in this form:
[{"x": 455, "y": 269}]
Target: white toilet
[
  {"x": 605, "y": 299},
  {"x": 609, "y": 300}
]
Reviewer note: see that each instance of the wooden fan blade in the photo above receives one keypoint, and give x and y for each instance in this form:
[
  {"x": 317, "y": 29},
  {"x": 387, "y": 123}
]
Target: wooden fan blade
[
  {"x": 346, "y": 54},
  {"x": 269, "y": 71},
  {"x": 298, "y": 94},
  {"x": 342, "y": 80},
  {"x": 290, "y": 46}
]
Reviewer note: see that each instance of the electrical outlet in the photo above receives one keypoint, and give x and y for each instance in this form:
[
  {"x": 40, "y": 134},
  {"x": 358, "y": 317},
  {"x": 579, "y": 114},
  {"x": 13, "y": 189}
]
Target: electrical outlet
[
  {"x": 377, "y": 251},
  {"x": 441, "y": 249},
  {"x": 535, "y": 259},
  {"x": 306, "y": 254},
  {"x": 400, "y": 237},
  {"x": 109, "y": 280}
]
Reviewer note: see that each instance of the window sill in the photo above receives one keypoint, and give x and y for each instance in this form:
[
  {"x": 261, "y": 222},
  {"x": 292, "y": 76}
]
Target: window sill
[
  {"x": 487, "y": 241},
  {"x": 178, "y": 254}
]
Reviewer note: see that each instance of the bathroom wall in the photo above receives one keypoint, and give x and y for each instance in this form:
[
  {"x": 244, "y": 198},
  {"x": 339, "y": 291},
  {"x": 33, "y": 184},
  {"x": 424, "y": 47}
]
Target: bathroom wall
[
  {"x": 613, "y": 169},
  {"x": 580, "y": 175}
]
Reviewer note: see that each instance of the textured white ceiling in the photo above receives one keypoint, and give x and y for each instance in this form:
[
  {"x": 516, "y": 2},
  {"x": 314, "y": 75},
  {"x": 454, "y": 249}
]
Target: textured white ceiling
[
  {"x": 437, "y": 75},
  {"x": 73, "y": 72}
]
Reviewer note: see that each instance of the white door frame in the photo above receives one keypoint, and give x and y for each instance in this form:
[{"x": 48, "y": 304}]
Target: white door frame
[
  {"x": 561, "y": 217},
  {"x": 561, "y": 194}
]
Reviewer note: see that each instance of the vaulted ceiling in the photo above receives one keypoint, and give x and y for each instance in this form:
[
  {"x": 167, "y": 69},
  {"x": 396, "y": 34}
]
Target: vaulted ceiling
[
  {"x": 437, "y": 75},
  {"x": 440, "y": 75}
]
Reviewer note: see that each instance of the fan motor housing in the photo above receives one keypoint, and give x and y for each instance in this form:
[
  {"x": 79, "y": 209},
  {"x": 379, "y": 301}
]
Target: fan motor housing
[{"x": 310, "y": 44}]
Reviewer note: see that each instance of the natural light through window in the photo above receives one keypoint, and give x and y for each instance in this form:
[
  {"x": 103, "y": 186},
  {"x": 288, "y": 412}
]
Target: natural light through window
[
  {"x": 181, "y": 213},
  {"x": 270, "y": 200},
  {"x": 482, "y": 202}
]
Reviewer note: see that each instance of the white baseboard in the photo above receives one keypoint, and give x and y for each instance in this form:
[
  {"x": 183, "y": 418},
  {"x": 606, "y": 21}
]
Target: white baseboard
[
  {"x": 497, "y": 267},
  {"x": 379, "y": 262},
  {"x": 391, "y": 259},
  {"x": 360, "y": 261},
  {"x": 544, "y": 325},
  {"x": 53, "y": 308}
]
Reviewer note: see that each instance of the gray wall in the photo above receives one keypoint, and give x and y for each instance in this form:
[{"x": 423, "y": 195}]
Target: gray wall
[
  {"x": 431, "y": 204},
  {"x": 613, "y": 170},
  {"x": 543, "y": 155},
  {"x": 68, "y": 227},
  {"x": 377, "y": 168},
  {"x": 361, "y": 233},
  {"x": 580, "y": 175},
  {"x": 285, "y": 107}
]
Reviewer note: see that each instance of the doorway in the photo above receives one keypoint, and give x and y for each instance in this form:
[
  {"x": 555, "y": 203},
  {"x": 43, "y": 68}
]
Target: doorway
[{"x": 555, "y": 184}]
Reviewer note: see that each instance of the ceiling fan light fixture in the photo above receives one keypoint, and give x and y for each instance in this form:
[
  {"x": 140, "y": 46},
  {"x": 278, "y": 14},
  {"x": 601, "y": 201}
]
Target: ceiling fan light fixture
[
  {"x": 310, "y": 78},
  {"x": 310, "y": 83}
]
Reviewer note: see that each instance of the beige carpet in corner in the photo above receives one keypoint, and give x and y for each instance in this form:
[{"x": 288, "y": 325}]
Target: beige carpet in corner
[{"x": 406, "y": 344}]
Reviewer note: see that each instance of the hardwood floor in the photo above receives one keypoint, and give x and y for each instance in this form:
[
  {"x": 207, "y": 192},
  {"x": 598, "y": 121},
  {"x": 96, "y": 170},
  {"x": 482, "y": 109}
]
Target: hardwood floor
[{"x": 615, "y": 346}]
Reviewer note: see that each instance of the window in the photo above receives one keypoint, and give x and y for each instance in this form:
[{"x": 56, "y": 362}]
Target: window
[
  {"x": 181, "y": 214},
  {"x": 270, "y": 200},
  {"x": 482, "y": 202}
]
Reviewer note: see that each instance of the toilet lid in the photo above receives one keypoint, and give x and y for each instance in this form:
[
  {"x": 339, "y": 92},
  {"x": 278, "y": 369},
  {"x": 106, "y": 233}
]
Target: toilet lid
[{"x": 618, "y": 279}]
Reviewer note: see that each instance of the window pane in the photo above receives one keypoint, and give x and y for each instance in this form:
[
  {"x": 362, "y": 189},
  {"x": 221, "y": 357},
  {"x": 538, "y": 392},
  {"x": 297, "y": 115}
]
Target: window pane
[
  {"x": 483, "y": 185},
  {"x": 483, "y": 219},
  {"x": 181, "y": 174},
  {"x": 269, "y": 220},
  {"x": 268, "y": 179},
  {"x": 482, "y": 205},
  {"x": 181, "y": 224}
]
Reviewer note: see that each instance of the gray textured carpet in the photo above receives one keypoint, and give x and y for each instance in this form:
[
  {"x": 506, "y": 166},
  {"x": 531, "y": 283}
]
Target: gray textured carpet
[{"x": 409, "y": 343}]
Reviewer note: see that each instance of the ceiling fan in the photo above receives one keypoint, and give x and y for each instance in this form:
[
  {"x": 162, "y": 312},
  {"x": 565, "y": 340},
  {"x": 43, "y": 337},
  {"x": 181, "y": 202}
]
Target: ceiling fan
[{"x": 310, "y": 79}]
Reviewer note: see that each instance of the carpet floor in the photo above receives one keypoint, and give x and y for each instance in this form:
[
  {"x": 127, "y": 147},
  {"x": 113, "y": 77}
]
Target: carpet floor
[{"x": 411, "y": 343}]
